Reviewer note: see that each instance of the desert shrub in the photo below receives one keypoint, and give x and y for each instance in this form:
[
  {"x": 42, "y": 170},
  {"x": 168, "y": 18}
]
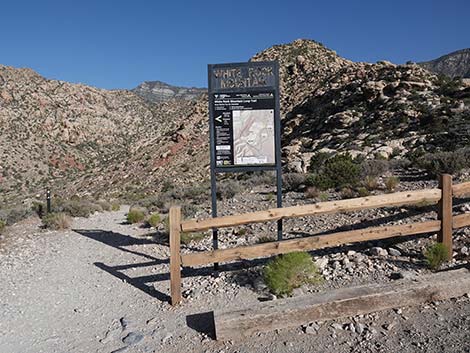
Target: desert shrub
[
  {"x": 318, "y": 160},
  {"x": 289, "y": 271},
  {"x": 78, "y": 208},
  {"x": 56, "y": 221},
  {"x": 293, "y": 181},
  {"x": 374, "y": 168},
  {"x": 447, "y": 86},
  {"x": 2, "y": 225},
  {"x": 370, "y": 183},
  {"x": 363, "y": 192},
  {"x": 189, "y": 210},
  {"x": 265, "y": 239},
  {"x": 153, "y": 202},
  {"x": 391, "y": 183},
  {"x": 136, "y": 215},
  {"x": 436, "y": 255},
  {"x": 336, "y": 172},
  {"x": 259, "y": 178},
  {"x": 241, "y": 232},
  {"x": 197, "y": 193},
  {"x": 323, "y": 196},
  {"x": 187, "y": 238},
  {"x": 445, "y": 162},
  {"x": 154, "y": 220},
  {"x": 105, "y": 205},
  {"x": 311, "y": 192},
  {"x": 228, "y": 189},
  {"x": 347, "y": 193},
  {"x": 115, "y": 206},
  {"x": 15, "y": 214}
]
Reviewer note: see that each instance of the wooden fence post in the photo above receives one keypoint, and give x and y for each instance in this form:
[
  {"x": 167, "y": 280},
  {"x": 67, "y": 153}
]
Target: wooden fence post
[
  {"x": 445, "y": 213},
  {"x": 175, "y": 257}
]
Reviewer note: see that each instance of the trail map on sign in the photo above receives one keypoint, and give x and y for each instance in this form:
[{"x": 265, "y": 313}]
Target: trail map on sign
[
  {"x": 253, "y": 136},
  {"x": 244, "y": 125}
]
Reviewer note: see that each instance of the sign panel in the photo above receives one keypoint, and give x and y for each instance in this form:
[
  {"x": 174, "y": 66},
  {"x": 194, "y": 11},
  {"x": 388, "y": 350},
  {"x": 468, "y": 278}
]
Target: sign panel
[
  {"x": 244, "y": 128},
  {"x": 244, "y": 116}
]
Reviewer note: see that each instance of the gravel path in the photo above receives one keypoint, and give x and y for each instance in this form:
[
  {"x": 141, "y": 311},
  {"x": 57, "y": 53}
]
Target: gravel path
[{"x": 103, "y": 287}]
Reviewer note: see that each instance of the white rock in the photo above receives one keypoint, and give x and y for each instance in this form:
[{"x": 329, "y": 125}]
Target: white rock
[
  {"x": 394, "y": 252},
  {"x": 377, "y": 251},
  {"x": 321, "y": 263}
]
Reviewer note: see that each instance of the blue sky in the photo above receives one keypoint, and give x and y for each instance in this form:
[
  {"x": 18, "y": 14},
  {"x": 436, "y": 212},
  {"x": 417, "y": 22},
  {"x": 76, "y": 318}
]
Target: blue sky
[{"x": 118, "y": 44}]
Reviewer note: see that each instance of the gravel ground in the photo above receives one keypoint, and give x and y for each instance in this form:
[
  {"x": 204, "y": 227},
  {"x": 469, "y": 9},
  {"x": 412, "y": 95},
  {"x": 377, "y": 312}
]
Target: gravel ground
[{"x": 103, "y": 287}]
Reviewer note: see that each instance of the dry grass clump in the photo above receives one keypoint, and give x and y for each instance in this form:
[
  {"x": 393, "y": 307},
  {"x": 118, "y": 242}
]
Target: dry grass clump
[
  {"x": 136, "y": 215},
  {"x": 56, "y": 221}
]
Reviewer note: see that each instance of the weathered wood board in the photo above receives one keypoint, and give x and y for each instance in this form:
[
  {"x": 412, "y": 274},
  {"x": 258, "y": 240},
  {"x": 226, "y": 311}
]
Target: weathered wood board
[{"x": 344, "y": 302}]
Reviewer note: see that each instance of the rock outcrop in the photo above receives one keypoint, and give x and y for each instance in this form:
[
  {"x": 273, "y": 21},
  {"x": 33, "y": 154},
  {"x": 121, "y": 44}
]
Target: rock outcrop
[
  {"x": 455, "y": 64},
  {"x": 158, "y": 92}
]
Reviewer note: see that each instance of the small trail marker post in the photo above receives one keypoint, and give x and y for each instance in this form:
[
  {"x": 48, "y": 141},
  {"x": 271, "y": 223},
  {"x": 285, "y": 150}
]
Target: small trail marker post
[
  {"x": 245, "y": 124},
  {"x": 445, "y": 213},
  {"x": 48, "y": 200}
]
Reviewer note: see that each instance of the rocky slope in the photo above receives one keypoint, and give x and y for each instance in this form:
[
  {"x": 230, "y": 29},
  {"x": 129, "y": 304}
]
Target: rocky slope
[
  {"x": 79, "y": 139},
  {"x": 455, "y": 64},
  {"x": 157, "y": 92}
]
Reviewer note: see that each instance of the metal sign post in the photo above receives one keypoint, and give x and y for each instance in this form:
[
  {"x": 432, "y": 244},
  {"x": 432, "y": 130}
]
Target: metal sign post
[{"x": 245, "y": 124}]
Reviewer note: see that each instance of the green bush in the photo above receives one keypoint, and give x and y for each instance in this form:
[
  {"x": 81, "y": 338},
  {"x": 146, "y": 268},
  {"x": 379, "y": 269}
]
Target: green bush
[
  {"x": 338, "y": 171},
  {"x": 56, "y": 221},
  {"x": 363, "y": 192},
  {"x": 289, "y": 271},
  {"x": 187, "y": 238},
  {"x": 2, "y": 225},
  {"x": 154, "y": 220},
  {"x": 136, "y": 215},
  {"x": 445, "y": 162},
  {"x": 436, "y": 255}
]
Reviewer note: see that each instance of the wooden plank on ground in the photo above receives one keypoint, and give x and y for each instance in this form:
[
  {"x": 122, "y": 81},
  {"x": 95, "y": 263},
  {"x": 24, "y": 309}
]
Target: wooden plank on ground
[
  {"x": 462, "y": 220},
  {"x": 307, "y": 243},
  {"x": 338, "y": 303},
  {"x": 461, "y": 189},
  {"x": 361, "y": 203}
]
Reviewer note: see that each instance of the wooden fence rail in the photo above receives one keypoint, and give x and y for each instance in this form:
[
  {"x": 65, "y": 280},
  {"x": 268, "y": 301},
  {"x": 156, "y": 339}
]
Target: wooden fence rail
[{"x": 443, "y": 226}]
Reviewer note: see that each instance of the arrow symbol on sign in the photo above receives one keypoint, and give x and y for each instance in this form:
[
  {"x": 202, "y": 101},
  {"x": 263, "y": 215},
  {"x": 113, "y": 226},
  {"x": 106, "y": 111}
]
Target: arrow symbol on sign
[{"x": 219, "y": 118}]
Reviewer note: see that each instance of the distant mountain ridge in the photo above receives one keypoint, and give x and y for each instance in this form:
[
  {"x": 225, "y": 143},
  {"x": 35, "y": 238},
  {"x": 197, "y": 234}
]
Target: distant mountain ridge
[
  {"x": 455, "y": 64},
  {"x": 158, "y": 92}
]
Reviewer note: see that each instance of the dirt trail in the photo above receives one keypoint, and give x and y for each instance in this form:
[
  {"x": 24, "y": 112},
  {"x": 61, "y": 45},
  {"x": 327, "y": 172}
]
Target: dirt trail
[{"x": 103, "y": 287}]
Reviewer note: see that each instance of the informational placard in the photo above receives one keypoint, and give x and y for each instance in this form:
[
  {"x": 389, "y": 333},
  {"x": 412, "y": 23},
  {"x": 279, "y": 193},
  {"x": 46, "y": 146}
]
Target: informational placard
[
  {"x": 244, "y": 116},
  {"x": 244, "y": 129}
]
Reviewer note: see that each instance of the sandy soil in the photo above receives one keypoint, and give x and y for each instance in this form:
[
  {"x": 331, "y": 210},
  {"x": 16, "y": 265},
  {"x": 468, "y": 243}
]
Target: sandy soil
[{"x": 103, "y": 287}]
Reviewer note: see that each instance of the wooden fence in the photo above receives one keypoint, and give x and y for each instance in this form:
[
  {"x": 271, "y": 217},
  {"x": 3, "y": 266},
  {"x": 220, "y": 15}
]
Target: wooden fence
[{"x": 444, "y": 225}]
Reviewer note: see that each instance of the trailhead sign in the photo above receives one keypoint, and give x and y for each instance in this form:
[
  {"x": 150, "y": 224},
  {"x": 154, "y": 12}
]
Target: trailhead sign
[
  {"x": 244, "y": 121},
  {"x": 244, "y": 116}
]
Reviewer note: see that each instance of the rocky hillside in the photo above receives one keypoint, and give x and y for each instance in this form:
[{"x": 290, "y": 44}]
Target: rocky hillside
[
  {"x": 157, "y": 92},
  {"x": 60, "y": 134},
  {"x": 455, "y": 64},
  {"x": 80, "y": 139}
]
